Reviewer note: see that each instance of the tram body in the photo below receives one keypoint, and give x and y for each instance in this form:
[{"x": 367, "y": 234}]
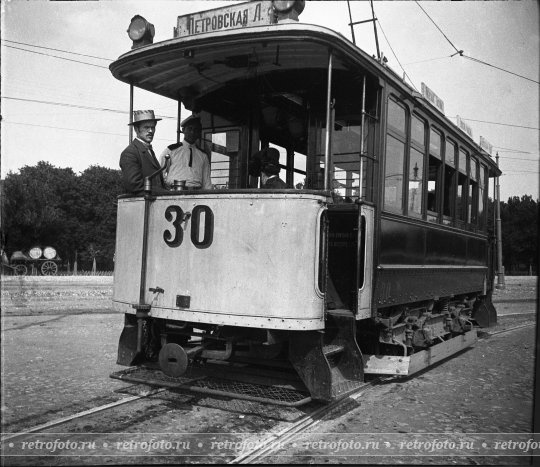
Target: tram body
[{"x": 376, "y": 257}]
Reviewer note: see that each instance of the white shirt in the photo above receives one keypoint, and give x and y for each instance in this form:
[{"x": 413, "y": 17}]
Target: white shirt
[{"x": 196, "y": 176}]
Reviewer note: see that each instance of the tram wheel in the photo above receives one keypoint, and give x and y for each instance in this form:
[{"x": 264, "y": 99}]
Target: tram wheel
[
  {"x": 49, "y": 268},
  {"x": 20, "y": 270}
]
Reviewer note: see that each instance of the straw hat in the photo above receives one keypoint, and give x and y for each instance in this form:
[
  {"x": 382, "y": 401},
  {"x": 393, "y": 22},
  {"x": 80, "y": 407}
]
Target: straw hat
[{"x": 143, "y": 116}]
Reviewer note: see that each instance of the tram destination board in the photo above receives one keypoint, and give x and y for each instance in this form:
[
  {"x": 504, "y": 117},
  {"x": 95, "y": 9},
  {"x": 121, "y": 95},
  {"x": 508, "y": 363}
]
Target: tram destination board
[{"x": 232, "y": 17}]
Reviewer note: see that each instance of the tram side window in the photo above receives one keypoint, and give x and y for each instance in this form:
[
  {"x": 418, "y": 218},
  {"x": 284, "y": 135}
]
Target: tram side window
[
  {"x": 434, "y": 176},
  {"x": 482, "y": 189},
  {"x": 449, "y": 182},
  {"x": 395, "y": 157},
  {"x": 461, "y": 201},
  {"x": 472, "y": 213},
  {"x": 346, "y": 159},
  {"x": 224, "y": 160},
  {"x": 416, "y": 167}
]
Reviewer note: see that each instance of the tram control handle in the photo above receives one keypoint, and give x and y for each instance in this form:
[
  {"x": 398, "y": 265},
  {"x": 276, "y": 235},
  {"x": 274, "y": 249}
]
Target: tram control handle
[{"x": 148, "y": 180}]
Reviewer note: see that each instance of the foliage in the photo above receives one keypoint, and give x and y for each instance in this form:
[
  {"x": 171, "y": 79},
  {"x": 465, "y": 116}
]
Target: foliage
[
  {"x": 50, "y": 206},
  {"x": 519, "y": 224}
]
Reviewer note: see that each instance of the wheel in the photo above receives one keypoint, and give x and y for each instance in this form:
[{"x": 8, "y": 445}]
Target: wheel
[
  {"x": 49, "y": 268},
  {"x": 20, "y": 270}
]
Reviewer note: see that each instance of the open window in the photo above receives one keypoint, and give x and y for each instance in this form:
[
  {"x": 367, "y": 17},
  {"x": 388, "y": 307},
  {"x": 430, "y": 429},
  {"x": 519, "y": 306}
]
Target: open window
[
  {"x": 416, "y": 167},
  {"x": 449, "y": 182},
  {"x": 462, "y": 189},
  {"x": 223, "y": 148},
  {"x": 434, "y": 190}
]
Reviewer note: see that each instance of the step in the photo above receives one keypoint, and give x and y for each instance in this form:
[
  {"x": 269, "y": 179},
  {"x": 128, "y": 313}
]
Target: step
[{"x": 332, "y": 349}]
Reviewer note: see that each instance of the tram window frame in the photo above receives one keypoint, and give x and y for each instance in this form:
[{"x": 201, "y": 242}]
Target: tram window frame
[
  {"x": 472, "y": 211},
  {"x": 449, "y": 184},
  {"x": 483, "y": 181},
  {"x": 434, "y": 172},
  {"x": 394, "y": 195},
  {"x": 462, "y": 188},
  {"x": 417, "y": 150},
  {"x": 233, "y": 166}
]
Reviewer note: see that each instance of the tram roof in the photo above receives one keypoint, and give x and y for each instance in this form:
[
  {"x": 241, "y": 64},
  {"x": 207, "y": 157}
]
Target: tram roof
[{"x": 185, "y": 67}]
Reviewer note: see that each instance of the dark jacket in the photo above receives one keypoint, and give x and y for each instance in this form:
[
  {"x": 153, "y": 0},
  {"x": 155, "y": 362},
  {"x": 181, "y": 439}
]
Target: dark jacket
[
  {"x": 137, "y": 162},
  {"x": 274, "y": 183}
]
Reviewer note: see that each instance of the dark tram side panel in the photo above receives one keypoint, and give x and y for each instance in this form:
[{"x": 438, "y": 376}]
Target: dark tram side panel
[{"x": 418, "y": 262}]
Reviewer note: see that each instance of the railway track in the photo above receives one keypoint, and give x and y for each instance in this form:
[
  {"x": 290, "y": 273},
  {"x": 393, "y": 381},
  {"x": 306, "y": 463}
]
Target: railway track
[{"x": 273, "y": 441}]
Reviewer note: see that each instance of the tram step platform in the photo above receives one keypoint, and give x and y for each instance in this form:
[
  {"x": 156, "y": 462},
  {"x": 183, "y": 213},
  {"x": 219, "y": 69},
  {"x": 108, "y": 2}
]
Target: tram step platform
[{"x": 215, "y": 379}]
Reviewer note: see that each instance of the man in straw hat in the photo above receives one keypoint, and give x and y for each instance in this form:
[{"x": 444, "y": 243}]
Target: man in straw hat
[
  {"x": 188, "y": 163},
  {"x": 138, "y": 160}
]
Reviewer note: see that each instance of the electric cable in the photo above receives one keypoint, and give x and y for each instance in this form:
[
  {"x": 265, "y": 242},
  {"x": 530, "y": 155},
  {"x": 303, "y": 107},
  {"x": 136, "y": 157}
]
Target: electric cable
[
  {"x": 56, "y": 56},
  {"x": 388, "y": 42},
  {"x": 57, "y": 50}
]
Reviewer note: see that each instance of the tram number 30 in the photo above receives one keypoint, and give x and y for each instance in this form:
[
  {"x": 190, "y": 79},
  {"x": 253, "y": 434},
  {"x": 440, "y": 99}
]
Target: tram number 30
[{"x": 176, "y": 216}]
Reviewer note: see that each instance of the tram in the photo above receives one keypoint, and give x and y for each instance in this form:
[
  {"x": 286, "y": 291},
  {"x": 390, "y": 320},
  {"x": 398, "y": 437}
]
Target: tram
[{"x": 375, "y": 259}]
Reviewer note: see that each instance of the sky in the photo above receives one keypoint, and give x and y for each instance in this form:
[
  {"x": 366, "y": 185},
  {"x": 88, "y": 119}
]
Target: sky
[{"x": 74, "y": 114}]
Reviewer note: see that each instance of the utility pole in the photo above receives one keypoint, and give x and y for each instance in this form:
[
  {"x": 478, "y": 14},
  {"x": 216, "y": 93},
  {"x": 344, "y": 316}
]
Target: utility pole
[{"x": 500, "y": 272}]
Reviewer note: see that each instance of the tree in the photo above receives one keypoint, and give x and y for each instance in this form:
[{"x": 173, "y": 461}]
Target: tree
[
  {"x": 45, "y": 205},
  {"x": 97, "y": 214},
  {"x": 519, "y": 219},
  {"x": 37, "y": 205}
]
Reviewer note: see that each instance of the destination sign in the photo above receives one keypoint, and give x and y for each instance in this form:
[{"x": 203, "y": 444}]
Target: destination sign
[
  {"x": 486, "y": 145},
  {"x": 432, "y": 98},
  {"x": 463, "y": 126},
  {"x": 254, "y": 13}
]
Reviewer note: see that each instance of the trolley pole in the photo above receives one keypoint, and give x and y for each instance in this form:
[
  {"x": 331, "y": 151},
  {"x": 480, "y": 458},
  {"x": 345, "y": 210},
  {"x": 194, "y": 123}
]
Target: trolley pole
[{"x": 500, "y": 272}]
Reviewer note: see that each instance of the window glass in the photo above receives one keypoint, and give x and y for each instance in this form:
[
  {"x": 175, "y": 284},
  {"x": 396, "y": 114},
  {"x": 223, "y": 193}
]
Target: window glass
[
  {"x": 435, "y": 143},
  {"x": 474, "y": 169},
  {"x": 461, "y": 206},
  {"x": 224, "y": 161},
  {"x": 450, "y": 154},
  {"x": 433, "y": 185},
  {"x": 481, "y": 216},
  {"x": 462, "y": 163},
  {"x": 449, "y": 186},
  {"x": 472, "y": 202},
  {"x": 396, "y": 116},
  {"x": 416, "y": 176},
  {"x": 346, "y": 159},
  {"x": 418, "y": 132},
  {"x": 393, "y": 180}
]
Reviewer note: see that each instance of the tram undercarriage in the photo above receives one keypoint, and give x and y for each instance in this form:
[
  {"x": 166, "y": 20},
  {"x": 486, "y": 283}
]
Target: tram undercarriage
[{"x": 400, "y": 340}]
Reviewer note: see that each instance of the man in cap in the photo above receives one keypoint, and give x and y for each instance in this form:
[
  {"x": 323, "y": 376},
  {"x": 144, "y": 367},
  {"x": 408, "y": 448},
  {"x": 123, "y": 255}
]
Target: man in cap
[
  {"x": 265, "y": 164},
  {"x": 187, "y": 161},
  {"x": 138, "y": 160}
]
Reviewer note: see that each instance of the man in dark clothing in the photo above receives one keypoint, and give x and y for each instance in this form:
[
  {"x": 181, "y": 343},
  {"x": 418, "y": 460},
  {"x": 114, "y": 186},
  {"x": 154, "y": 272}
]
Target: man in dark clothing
[
  {"x": 266, "y": 162},
  {"x": 138, "y": 160}
]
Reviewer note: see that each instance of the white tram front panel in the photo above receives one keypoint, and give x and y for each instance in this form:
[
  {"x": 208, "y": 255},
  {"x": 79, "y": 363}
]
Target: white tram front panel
[{"x": 253, "y": 262}]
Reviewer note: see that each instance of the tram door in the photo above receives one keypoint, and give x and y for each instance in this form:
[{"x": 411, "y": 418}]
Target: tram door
[{"x": 351, "y": 215}]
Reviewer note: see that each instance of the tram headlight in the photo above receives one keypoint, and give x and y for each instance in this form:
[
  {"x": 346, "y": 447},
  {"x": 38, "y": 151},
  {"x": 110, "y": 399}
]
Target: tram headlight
[
  {"x": 288, "y": 9},
  {"x": 140, "y": 31}
]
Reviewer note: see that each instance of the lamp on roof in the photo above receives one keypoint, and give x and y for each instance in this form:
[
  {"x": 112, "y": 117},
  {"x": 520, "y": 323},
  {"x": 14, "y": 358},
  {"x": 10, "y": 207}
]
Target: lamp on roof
[
  {"x": 140, "y": 31},
  {"x": 288, "y": 9}
]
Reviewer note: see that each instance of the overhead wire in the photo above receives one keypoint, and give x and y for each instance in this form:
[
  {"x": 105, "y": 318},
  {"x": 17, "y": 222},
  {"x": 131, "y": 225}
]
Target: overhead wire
[
  {"x": 497, "y": 123},
  {"x": 397, "y": 59},
  {"x": 80, "y": 130},
  {"x": 56, "y": 56},
  {"x": 63, "y": 104},
  {"x": 498, "y": 68},
  {"x": 461, "y": 53},
  {"x": 440, "y": 30},
  {"x": 510, "y": 150},
  {"x": 57, "y": 50}
]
